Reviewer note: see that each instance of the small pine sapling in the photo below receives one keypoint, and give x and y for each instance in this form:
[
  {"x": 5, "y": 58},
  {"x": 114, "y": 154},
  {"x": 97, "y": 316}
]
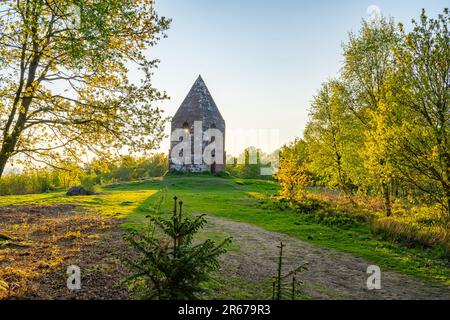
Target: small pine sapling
[
  {"x": 169, "y": 266},
  {"x": 280, "y": 286}
]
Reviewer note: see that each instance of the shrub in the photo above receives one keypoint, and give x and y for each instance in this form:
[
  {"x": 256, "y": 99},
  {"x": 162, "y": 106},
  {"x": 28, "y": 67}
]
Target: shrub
[
  {"x": 309, "y": 206},
  {"x": 91, "y": 183}
]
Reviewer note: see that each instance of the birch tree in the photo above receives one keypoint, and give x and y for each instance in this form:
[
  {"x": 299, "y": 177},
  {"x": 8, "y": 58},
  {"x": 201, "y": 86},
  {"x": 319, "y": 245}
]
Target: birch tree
[
  {"x": 424, "y": 136},
  {"x": 368, "y": 68},
  {"x": 65, "y": 88}
]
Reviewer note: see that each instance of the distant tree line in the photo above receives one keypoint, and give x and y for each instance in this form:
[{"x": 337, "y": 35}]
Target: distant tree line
[
  {"x": 97, "y": 172},
  {"x": 248, "y": 164}
]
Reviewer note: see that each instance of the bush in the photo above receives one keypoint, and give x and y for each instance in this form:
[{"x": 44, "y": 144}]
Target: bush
[
  {"x": 309, "y": 206},
  {"x": 168, "y": 265},
  {"x": 91, "y": 183}
]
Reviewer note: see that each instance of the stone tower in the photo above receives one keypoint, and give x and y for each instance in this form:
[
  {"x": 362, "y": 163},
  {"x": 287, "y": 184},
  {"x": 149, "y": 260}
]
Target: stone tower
[{"x": 198, "y": 118}]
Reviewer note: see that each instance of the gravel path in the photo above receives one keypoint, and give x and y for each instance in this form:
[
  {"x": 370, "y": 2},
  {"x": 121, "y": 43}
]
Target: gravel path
[{"x": 331, "y": 274}]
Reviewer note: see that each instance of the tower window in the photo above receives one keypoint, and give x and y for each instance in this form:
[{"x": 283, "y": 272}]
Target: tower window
[
  {"x": 213, "y": 126},
  {"x": 186, "y": 127}
]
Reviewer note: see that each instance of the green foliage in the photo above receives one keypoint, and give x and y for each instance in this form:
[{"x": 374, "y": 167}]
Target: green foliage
[
  {"x": 411, "y": 226},
  {"x": 169, "y": 265},
  {"x": 36, "y": 181},
  {"x": 423, "y": 132},
  {"x": 382, "y": 128},
  {"x": 128, "y": 168},
  {"x": 99, "y": 109},
  {"x": 368, "y": 71},
  {"x": 332, "y": 137},
  {"x": 425, "y": 227},
  {"x": 91, "y": 183},
  {"x": 292, "y": 174},
  {"x": 24, "y": 183},
  {"x": 322, "y": 212},
  {"x": 98, "y": 172},
  {"x": 223, "y": 174},
  {"x": 248, "y": 165}
]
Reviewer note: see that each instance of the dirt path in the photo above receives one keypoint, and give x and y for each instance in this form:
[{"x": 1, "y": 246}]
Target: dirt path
[{"x": 331, "y": 275}]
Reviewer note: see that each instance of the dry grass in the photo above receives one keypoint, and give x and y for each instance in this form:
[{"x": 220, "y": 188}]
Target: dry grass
[
  {"x": 410, "y": 233},
  {"x": 409, "y": 225},
  {"x": 417, "y": 226},
  {"x": 38, "y": 239}
]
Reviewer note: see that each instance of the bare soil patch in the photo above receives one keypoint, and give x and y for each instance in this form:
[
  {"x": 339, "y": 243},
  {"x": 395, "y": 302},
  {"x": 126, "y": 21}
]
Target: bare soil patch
[{"x": 38, "y": 243}]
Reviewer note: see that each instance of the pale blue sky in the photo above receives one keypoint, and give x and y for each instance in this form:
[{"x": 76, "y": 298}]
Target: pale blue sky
[{"x": 262, "y": 60}]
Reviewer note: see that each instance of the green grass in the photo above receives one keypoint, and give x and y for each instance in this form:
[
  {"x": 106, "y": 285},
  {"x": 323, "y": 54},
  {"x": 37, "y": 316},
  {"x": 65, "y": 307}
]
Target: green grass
[
  {"x": 119, "y": 204},
  {"x": 240, "y": 200}
]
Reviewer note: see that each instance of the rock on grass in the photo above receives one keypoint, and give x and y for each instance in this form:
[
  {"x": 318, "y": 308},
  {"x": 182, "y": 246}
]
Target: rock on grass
[{"x": 79, "y": 191}]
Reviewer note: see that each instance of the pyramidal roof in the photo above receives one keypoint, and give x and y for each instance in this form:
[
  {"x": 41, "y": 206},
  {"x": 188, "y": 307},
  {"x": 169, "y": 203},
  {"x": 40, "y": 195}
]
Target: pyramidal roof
[{"x": 198, "y": 104}]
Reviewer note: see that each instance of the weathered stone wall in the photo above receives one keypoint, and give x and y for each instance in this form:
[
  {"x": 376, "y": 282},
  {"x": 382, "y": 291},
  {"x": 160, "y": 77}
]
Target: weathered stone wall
[{"x": 198, "y": 106}]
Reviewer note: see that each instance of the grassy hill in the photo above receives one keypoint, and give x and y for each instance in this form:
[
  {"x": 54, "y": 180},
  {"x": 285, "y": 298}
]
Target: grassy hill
[{"x": 246, "y": 201}]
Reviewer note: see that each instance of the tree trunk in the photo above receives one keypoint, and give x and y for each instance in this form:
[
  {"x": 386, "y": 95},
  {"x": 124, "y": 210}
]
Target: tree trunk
[
  {"x": 448, "y": 203},
  {"x": 3, "y": 161},
  {"x": 448, "y": 207},
  {"x": 10, "y": 141},
  {"x": 342, "y": 181},
  {"x": 5, "y": 153},
  {"x": 9, "y": 144},
  {"x": 387, "y": 199}
]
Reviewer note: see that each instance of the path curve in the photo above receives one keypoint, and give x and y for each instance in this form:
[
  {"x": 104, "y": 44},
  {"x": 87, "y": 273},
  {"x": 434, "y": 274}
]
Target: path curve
[{"x": 331, "y": 274}]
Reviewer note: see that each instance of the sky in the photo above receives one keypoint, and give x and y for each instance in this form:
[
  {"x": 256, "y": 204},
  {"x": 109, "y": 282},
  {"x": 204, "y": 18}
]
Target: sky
[{"x": 262, "y": 60}]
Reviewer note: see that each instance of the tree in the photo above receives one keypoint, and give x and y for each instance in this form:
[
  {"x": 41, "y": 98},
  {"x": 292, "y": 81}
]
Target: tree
[
  {"x": 333, "y": 135},
  {"x": 423, "y": 58},
  {"x": 292, "y": 174},
  {"x": 168, "y": 265},
  {"x": 65, "y": 89},
  {"x": 368, "y": 69}
]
